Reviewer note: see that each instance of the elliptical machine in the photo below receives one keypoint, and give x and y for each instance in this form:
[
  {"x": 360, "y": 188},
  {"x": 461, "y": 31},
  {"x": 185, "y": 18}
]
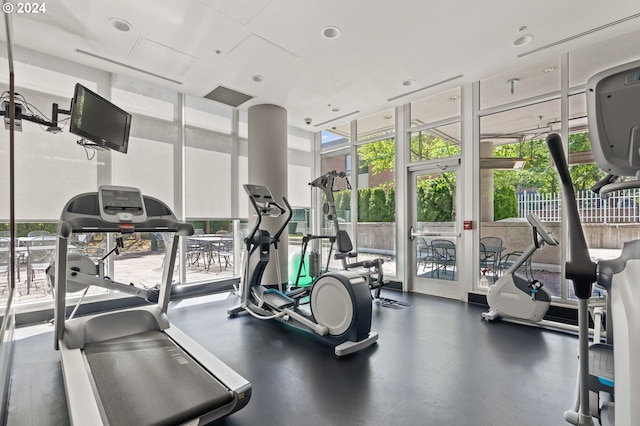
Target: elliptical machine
[
  {"x": 515, "y": 297},
  {"x": 371, "y": 268},
  {"x": 608, "y": 385},
  {"x": 340, "y": 302}
]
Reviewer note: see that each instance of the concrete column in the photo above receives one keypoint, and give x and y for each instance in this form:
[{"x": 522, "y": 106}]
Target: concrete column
[
  {"x": 268, "y": 162},
  {"x": 486, "y": 185}
]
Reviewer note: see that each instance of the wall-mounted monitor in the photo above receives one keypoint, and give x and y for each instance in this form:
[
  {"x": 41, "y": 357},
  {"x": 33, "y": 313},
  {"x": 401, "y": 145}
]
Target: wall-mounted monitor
[{"x": 99, "y": 121}]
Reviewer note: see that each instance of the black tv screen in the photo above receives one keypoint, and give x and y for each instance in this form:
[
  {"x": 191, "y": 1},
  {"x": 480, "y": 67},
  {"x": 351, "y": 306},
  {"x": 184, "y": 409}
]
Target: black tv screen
[{"x": 98, "y": 120}]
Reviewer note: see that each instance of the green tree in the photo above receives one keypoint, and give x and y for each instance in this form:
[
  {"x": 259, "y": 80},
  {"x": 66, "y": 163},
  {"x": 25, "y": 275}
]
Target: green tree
[
  {"x": 390, "y": 205},
  {"x": 436, "y": 199},
  {"x": 363, "y": 204},
  {"x": 538, "y": 172},
  {"x": 377, "y": 156},
  {"x": 425, "y": 146},
  {"x": 584, "y": 176},
  {"x": 377, "y": 201},
  {"x": 505, "y": 203},
  {"x": 345, "y": 200}
]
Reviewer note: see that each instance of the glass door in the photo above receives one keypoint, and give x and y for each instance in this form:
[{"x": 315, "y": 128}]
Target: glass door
[{"x": 434, "y": 231}]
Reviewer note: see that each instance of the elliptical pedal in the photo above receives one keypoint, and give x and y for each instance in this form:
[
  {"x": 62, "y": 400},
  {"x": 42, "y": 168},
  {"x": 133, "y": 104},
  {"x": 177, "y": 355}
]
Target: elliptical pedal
[
  {"x": 274, "y": 298},
  {"x": 392, "y": 303},
  {"x": 601, "y": 370}
]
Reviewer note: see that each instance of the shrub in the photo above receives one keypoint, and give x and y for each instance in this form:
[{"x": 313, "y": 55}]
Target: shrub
[
  {"x": 363, "y": 204},
  {"x": 505, "y": 203}
]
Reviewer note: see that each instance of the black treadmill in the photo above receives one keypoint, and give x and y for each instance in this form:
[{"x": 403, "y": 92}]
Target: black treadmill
[{"x": 132, "y": 366}]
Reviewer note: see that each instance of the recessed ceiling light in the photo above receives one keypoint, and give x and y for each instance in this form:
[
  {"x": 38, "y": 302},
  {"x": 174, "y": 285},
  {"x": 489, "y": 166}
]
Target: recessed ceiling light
[
  {"x": 120, "y": 24},
  {"x": 523, "y": 40},
  {"x": 335, "y": 109},
  {"x": 549, "y": 70},
  {"x": 454, "y": 98},
  {"x": 257, "y": 78},
  {"x": 331, "y": 32},
  {"x": 409, "y": 82}
]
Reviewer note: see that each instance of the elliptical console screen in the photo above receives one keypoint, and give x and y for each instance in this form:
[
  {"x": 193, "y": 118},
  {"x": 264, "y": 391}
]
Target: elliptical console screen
[{"x": 119, "y": 204}]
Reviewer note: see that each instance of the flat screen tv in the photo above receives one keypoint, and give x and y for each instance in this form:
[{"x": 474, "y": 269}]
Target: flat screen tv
[{"x": 99, "y": 121}]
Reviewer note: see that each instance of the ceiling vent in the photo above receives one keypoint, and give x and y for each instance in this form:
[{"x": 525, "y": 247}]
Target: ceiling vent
[
  {"x": 227, "y": 96},
  {"x": 425, "y": 88},
  {"x": 573, "y": 37}
]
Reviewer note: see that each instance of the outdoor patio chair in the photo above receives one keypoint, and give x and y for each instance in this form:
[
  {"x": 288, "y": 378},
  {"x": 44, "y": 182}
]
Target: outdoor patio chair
[
  {"x": 490, "y": 252},
  {"x": 424, "y": 255},
  {"x": 444, "y": 256},
  {"x": 38, "y": 233},
  {"x": 5, "y": 261},
  {"x": 510, "y": 258},
  {"x": 41, "y": 252},
  {"x": 195, "y": 250},
  {"x": 224, "y": 251}
]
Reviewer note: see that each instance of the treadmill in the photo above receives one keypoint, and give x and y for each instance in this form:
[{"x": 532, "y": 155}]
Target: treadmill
[{"x": 133, "y": 367}]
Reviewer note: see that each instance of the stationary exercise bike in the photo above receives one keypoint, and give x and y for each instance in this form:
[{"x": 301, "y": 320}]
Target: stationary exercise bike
[
  {"x": 339, "y": 302},
  {"x": 515, "y": 297},
  {"x": 608, "y": 377}
]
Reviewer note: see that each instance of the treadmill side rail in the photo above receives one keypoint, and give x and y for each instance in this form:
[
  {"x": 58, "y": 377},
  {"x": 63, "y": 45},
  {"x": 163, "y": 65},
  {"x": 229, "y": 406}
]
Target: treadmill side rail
[
  {"x": 234, "y": 381},
  {"x": 81, "y": 400}
]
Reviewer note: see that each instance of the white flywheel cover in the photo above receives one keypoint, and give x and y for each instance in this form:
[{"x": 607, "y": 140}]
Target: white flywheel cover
[
  {"x": 82, "y": 264},
  {"x": 331, "y": 304}
]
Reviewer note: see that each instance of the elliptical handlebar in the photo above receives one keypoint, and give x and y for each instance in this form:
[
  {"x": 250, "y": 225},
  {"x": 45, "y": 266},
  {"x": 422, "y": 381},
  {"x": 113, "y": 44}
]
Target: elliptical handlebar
[
  {"x": 265, "y": 205},
  {"x": 325, "y": 184},
  {"x": 276, "y": 237},
  {"x": 579, "y": 267}
]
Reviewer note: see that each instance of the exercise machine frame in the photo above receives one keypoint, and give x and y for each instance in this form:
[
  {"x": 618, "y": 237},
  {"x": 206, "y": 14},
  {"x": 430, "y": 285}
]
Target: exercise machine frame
[
  {"x": 120, "y": 333},
  {"x": 340, "y": 302}
]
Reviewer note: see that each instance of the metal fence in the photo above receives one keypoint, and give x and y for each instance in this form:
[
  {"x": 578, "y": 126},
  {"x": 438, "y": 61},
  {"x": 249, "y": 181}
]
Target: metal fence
[{"x": 620, "y": 207}]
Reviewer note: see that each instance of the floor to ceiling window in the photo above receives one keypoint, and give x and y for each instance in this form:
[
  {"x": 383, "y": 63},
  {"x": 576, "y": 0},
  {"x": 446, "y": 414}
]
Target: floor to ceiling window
[
  {"x": 374, "y": 173},
  {"x": 517, "y": 179}
]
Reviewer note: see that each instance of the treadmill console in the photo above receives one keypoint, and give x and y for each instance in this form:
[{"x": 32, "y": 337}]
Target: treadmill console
[{"x": 121, "y": 204}]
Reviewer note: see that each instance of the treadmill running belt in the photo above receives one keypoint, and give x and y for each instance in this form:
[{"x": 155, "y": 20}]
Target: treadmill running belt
[{"x": 145, "y": 379}]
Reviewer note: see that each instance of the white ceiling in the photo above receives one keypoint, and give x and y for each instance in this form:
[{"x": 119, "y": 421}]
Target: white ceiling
[{"x": 193, "y": 46}]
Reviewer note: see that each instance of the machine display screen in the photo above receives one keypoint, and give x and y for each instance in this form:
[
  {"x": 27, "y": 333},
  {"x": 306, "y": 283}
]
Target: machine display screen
[
  {"x": 121, "y": 204},
  {"x": 114, "y": 201}
]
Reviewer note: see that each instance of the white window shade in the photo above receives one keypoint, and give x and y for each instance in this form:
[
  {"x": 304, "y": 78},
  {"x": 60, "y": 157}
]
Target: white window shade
[
  {"x": 148, "y": 166},
  {"x": 49, "y": 170},
  {"x": 299, "y": 189},
  {"x": 208, "y": 184},
  {"x": 243, "y": 207}
]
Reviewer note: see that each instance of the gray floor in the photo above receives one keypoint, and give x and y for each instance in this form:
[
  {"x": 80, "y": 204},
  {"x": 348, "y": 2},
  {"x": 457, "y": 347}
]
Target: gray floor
[{"x": 436, "y": 363}]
